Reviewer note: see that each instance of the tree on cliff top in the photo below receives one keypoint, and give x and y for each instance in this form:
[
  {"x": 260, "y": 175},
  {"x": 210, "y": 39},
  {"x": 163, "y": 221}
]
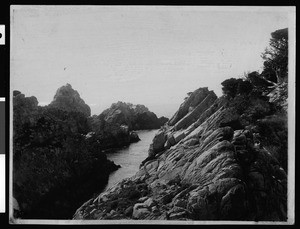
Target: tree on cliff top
[
  {"x": 276, "y": 57},
  {"x": 232, "y": 87}
]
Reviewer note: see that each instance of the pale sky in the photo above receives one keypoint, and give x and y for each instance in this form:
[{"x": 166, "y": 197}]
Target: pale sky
[{"x": 142, "y": 55}]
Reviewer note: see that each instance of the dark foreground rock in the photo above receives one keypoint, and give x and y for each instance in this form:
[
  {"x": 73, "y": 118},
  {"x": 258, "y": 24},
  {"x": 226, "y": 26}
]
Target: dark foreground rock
[
  {"x": 56, "y": 164},
  {"x": 217, "y": 159}
]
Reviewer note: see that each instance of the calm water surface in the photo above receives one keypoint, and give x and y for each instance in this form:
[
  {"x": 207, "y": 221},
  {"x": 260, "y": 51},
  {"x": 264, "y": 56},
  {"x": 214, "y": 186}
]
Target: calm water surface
[{"x": 130, "y": 158}]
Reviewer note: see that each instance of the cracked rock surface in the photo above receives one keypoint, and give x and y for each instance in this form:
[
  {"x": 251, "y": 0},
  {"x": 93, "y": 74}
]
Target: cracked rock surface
[{"x": 212, "y": 161}]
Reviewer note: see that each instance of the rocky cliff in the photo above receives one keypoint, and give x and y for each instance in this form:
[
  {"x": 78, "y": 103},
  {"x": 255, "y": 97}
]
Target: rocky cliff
[
  {"x": 56, "y": 167},
  {"x": 136, "y": 117},
  {"x": 58, "y": 158},
  {"x": 68, "y": 99},
  {"x": 115, "y": 126},
  {"x": 216, "y": 159}
]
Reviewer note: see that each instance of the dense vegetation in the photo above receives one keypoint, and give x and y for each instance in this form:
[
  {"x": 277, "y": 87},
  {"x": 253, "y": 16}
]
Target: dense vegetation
[
  {"x": 275, "y": 68},
  {"x": 56, "y": 167},
  {"x": 276, "y": 57},
  {"x": 261, "y": 98}
]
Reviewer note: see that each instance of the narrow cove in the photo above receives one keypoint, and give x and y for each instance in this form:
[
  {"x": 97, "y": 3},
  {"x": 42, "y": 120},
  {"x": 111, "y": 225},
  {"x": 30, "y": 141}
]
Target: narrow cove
[{"x": 130, "y": 158}]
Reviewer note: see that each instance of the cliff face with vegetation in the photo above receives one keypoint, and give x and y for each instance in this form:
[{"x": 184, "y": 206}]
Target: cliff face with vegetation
[
  {"x": 52, "y": 157},
  {"x": 216, "y": 159},
  {"x": 58, "y": 158}
]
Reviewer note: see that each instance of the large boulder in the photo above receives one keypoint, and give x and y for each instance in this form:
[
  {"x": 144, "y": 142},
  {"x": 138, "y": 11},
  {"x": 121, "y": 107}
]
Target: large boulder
[
  {"x": 158, "y": 142},
  {"x": 139, "y": 211},
  {"x": 134, "y": 137}
]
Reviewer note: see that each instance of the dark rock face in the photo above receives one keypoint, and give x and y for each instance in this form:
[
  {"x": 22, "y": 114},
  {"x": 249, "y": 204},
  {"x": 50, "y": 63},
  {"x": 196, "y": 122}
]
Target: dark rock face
[
  {"x": 58, "y": 154},
  {"x": 23, "y": 109},
  {"x": 57, "y": 165},
  {"x": 147, "y": 121},
  {"x": 134, "y": 137},
  {"x": 162, "y": 120},
  {"x": 114, "y": 126},
  {"x": 217, "y": 162},
  {"x": 136, "y": 117},
  {"x": 68, "y": 99}
]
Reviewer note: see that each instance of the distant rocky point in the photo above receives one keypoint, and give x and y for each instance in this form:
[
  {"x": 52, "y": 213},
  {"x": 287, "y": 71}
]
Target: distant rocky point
[
  {"x": 136, "y": 117},
  {"x": 115, "y": 127}
]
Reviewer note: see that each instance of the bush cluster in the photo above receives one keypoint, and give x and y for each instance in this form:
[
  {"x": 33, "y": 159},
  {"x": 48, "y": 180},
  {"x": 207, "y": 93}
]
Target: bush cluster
[{"x": 232, "y": 87}]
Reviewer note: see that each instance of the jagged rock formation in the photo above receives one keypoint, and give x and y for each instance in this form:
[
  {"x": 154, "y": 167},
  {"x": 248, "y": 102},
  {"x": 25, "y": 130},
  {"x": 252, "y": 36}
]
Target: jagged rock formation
[
  {"x": 115, "y": 126},
  {"x": 56, "y": 167},
  {"x": 198, "y": 102},
  {"x": 68, "y": 99},
  {"x": 136, "y": 117},
  {"x": 190, "y": 103},
  {"x": 216, "y": 159}
]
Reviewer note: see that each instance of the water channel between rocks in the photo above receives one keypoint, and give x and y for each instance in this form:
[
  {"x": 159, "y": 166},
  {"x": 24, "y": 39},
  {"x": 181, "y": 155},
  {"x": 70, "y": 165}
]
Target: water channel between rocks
[{"x": 130, "y": 158}]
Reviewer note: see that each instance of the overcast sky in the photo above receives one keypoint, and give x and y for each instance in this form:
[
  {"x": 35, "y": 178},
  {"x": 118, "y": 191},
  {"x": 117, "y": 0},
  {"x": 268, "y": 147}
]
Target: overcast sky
[{"x": 143, "y": 55}]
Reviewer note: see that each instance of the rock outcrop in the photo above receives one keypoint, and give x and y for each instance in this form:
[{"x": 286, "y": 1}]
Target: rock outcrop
[
  {"x": 136, "y": 117},
  {"x": 57, "y": 165},
  {"x": 23, "y": 108},
  {"x": 214, "y": 160},
  {"x": 66, "y": 98},
  {"x": 115, "y": 126},
  {"x": 191, "y": 102}
]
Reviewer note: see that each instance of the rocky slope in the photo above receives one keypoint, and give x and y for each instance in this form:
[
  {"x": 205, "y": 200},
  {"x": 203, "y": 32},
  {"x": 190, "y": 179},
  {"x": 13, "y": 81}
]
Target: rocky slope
[{"x": 216, "y": 159}]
